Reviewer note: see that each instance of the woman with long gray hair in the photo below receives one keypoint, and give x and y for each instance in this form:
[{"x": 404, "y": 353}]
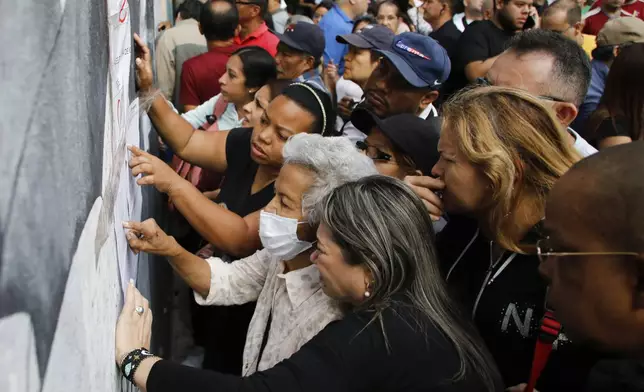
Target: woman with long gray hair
[{"x": 375, "y": 254}]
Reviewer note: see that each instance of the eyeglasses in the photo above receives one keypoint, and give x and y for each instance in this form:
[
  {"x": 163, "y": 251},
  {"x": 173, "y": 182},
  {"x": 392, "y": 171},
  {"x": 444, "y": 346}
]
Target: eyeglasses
[
  {"x": 486, "y": 83},
  {"x": 544, "y": 250},
  {"x": 374, "y": 153}
]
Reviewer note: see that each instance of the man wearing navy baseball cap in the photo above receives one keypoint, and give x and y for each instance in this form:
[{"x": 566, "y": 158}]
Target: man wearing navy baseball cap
[
  {"x": 408, "y": 77},
  {"x": 359, "y": 64},
  {"x": 299, "y": 53}
]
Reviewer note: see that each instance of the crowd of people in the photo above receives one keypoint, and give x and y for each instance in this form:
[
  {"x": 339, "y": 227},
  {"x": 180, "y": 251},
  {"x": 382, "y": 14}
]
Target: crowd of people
[{"x": 396, "y": 196}]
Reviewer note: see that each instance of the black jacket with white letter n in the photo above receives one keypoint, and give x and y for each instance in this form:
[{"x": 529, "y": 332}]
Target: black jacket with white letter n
[{"x": 511, "y": 298}]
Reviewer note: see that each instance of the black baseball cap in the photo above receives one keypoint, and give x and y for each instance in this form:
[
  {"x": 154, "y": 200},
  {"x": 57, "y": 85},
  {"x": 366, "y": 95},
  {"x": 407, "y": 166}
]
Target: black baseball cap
[
  {"x": 370, "y": 37},
  {"x": 413, "y": 136},
  {"x": 305, "y": 37}
]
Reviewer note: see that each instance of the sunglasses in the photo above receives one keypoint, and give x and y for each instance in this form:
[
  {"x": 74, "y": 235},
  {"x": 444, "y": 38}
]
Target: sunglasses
[
  {"x": 373, "y": 152},
  {"x": 544, "y": 251},
  {"x": 484, "y": 82}
]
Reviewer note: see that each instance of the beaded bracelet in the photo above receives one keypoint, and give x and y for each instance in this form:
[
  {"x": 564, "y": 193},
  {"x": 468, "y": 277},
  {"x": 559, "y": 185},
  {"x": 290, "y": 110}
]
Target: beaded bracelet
[{"x": 132, "y": 361}]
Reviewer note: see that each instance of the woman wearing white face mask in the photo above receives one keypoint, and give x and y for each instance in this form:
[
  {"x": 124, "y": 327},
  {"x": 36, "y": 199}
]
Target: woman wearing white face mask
[{"x": 290, "y": 302}]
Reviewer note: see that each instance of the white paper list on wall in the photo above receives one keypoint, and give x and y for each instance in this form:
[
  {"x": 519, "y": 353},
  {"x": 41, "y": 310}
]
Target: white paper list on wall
[{"x": 129, "y": 200}]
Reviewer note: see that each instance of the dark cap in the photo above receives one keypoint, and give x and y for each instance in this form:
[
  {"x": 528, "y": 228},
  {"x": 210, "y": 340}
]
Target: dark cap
[
  {"x": 413, "y": 136},
  {"x": 370, "y": 37},
  {"x": 421, "y": 60},
  {"x": 305, "y": 37}
]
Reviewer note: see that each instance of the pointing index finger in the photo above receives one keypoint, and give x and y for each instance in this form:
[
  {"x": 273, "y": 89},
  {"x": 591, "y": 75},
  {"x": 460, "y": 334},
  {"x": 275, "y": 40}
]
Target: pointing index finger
[
  {"x": 136, "y": 151},
  {"x": 142, "y": 46}
]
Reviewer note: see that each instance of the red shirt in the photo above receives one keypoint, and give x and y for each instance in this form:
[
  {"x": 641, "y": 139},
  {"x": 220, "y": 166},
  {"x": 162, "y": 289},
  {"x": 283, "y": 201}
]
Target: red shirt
[
  {"x": 595, "y": 19},
  {"x": 262, "y": 38},
  {"x": 200, "y": 75},
  {"x": 634, "y": 7}
]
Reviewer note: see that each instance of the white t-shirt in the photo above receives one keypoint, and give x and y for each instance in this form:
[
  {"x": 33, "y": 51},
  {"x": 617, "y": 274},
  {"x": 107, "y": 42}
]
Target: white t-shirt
[
  {"x": 581, "y": 145},
  {"x": 347, "y": 88}
]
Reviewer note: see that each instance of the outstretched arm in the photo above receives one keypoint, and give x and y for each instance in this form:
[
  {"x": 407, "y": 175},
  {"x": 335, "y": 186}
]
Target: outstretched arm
[
  {"x": 205, "y": 149},
  {"x": 236, "y": 235}
]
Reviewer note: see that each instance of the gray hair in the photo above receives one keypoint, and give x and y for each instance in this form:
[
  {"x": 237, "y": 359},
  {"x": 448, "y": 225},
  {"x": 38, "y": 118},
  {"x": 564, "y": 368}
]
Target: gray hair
[
  {"x": 333, "y": 160},
  {"x": 380, "y": 223}
]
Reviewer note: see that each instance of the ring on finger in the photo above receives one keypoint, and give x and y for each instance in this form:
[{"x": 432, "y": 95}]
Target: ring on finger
[{"x": 139, "y": 310}]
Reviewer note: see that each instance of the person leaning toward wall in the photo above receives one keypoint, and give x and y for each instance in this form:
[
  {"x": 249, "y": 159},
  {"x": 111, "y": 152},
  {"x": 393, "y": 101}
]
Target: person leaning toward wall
[
  {"x": 402, "y": 331},
  {"x": 501, "y": 151},
  {"x": 250, "y": 159},
  {"x": 291, "y": 306},
  {"x": 256, "y": 156}
]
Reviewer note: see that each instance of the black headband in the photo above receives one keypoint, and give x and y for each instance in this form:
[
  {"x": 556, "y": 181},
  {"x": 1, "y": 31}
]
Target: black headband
[{"x": 309, "y": 98}]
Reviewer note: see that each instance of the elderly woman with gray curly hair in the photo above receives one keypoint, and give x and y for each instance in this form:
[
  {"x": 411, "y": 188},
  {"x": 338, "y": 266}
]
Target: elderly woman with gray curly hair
[
  {"x": 375, "y": 254},
  {"x": 291, "y": 307}
]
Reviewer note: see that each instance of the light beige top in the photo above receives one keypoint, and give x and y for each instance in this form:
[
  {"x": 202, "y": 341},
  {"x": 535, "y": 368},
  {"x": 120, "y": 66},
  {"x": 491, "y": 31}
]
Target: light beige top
[{"x": 300, "y": 309}]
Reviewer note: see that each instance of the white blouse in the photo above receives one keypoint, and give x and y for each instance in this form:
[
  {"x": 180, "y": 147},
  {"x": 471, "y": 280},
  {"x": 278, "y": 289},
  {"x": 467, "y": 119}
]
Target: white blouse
[{"x": 299, "y": 307}]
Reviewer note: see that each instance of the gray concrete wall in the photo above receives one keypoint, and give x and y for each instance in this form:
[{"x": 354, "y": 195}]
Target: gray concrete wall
[{"x": 59, "y": 287}]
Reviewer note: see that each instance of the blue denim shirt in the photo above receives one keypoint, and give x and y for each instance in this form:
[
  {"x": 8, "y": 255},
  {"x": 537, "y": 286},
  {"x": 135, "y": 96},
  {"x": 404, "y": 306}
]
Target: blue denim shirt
[
  {"x": 313, "y": 77},
  {"x": 335, "y": 23},
  {"x": 595, "y": 91}
]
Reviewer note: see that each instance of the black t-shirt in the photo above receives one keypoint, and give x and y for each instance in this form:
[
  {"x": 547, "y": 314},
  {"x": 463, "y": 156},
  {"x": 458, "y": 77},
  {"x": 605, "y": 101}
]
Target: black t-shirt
[
  {"x": 480, "y": 41},
  {"x": 510, "y": 303},
  {"x": 349, "y": 355},
  {"x": 613, "y": 126},
  {"x": 222, "y": 329},
  {"x": 240, "y": 174},
  {"x": 447, "y": 35}
]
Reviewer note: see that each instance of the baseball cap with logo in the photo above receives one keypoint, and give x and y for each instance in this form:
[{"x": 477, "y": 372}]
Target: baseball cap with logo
[
  {"x": 420, "y": 59},
  {"x": 410, "y": 134},
  {"x": 370, "y": 37},
  {"x": 305, "y": 37},
  {"x": 627, "y": 29}
]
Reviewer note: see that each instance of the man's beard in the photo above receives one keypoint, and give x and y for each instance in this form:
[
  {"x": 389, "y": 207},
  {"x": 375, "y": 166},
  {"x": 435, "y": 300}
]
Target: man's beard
[{"x": 506, "y": 21}]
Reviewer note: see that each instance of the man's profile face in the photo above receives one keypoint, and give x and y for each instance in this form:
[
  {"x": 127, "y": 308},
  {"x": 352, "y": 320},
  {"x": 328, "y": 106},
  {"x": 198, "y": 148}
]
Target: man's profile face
[
  {"x": 388, "y": 93},
  {"x": 529, "y": 72},
  {"x": 532, "y": 72},
  {"x": 291, "y": 63},
  {"x": 247, "y": 9},
  {"x": 592, "y": 295},
  {"x": 432, "y": 10},
  {"x": 557, "y": 22}
]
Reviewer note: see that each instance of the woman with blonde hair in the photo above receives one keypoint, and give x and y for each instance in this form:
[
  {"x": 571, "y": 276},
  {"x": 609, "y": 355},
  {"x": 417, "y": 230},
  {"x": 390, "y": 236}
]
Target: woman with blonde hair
[{"x": 501, "y": 151}]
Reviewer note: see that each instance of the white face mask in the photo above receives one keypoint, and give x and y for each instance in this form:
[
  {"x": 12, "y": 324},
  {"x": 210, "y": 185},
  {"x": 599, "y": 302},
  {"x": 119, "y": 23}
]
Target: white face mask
[{"x": 279, "y": 236}]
